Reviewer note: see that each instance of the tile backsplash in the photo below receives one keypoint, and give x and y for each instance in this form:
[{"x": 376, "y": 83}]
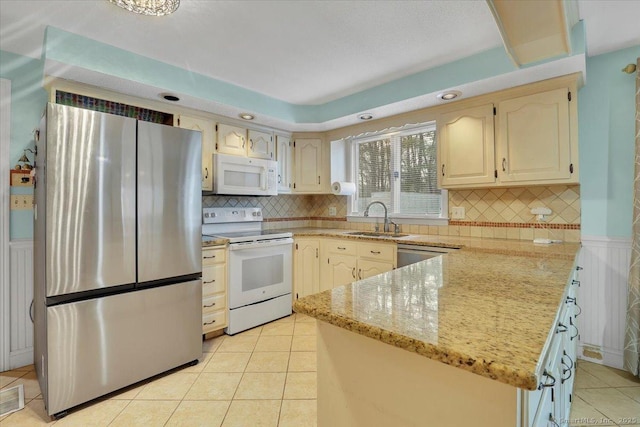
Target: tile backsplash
[{"x": 498, "y": 213}]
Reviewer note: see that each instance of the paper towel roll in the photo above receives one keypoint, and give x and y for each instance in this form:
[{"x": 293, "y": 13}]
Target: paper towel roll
[{"x": 343, "y": 188}]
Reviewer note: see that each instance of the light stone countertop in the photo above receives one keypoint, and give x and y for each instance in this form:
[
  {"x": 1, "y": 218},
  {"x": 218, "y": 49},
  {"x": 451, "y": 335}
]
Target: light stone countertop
[{"x": 487, "y": 308}]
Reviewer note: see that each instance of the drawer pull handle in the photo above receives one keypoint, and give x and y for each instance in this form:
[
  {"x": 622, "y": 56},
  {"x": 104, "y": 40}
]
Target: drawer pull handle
[
  {"x": 353, "y": 273},
  {"x": 547, "y": 384},
  {"x": 210, "y": 281},
  {"x": 360, "y": 273},
  {"x": 575, "y": 282},
  {"x": 209, "y": 323},
  {"x": 375, "y": 252},
  {"x": 342, "y": 248},
  {"x": 209, "y": 305},
  {"x": 209, "y": 257},
  {"x": 561, "y": 328}
]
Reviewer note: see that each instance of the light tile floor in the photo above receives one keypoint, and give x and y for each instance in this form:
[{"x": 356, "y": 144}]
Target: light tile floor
[
  {"x": 604, "y": 396},
  {"x": 267, "y": 377},
  {"x": 262, "y": 377}
]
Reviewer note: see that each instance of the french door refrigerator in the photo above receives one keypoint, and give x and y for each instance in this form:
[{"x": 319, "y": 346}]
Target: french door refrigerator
[{"x": 118, "y": 293}]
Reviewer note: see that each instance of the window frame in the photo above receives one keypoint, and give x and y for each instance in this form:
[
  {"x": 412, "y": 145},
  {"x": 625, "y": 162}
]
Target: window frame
[{"x": 401, "y": 218}]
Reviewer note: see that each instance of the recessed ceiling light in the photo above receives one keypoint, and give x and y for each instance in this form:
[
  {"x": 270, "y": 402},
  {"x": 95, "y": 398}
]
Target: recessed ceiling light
[
  {"x": 170, "y": 97},
  {"x": 365, "y": 116},
  {"x": 246, "y": 116},
  {"x": 449, "y": 95}
]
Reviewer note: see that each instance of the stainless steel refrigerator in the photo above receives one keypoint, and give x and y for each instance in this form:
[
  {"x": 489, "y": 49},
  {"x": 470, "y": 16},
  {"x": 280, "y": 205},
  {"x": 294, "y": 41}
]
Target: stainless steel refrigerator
[{"x": 118, "y": 293}]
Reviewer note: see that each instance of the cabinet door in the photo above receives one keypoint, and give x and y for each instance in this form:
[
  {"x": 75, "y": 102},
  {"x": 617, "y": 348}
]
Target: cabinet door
[
  {"x": 338, "y": 271},
  {"x": 307, "y": 166},
  {"x": 284, "y": 158},
  {"x": 368, "y": 268},
  {"x": 261, "y": 145},
  {"x": 206, "y": 127},
  {"x": 466, "y": 147},
  {"x": 534, "y": 140},
  {"x": 306, "y": 267},
  {"x": 231, "y": 140}
]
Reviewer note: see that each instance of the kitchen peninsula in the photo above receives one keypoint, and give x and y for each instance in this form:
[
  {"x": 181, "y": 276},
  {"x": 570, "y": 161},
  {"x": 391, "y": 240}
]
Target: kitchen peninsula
[{"x": 472, "y": 338}]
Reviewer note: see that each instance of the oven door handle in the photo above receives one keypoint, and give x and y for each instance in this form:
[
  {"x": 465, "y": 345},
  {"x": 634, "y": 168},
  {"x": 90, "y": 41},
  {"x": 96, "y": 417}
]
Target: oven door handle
[{"x": 261, "y": 244}]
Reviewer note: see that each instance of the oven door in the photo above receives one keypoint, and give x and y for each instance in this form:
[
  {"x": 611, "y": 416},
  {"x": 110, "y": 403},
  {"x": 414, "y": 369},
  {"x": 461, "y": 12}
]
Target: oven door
[{"x": 259, "y": 271}]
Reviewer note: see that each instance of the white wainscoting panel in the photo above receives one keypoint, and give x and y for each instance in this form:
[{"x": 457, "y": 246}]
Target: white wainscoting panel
[
  {"x": 21, "y": 294},
  {"x": 603, "y": 298}
]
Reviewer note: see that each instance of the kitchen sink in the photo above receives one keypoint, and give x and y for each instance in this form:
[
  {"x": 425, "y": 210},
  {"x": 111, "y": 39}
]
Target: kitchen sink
[{"x": 376, "y": 234}]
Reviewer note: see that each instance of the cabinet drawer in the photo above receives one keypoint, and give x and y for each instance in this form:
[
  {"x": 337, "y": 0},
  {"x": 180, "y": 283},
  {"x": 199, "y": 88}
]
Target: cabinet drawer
[
  {"x": 342, "y": 247},
  {"x": 213, "y": 279},
  {"x": 214, "y": 256},
  {"x": 214, "y": 321},
  {"x": 376, "y": 251},
  {"x": 213, "y": 303}
]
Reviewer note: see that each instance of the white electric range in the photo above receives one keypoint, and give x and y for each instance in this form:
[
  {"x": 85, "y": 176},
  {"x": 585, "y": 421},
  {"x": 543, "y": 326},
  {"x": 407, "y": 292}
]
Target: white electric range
[{"x": 259, "y": 266}]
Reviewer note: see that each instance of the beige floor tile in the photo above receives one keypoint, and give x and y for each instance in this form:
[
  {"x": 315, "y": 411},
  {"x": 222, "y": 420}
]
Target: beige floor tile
[
  {"x": 287, "y": 319},
  {"x": 227, "y": 362},
  {"x": 33, "y": 414},
  {"x": 6, "y": 378},
  {"x": 252, "y": 413},
  {"x": 145, "y": 413},
  {"x": 611, "y": 376},
  {"x": 583, "y": 414},
  {"x": 253, "y": 331},
  {"x": 303, "y": 361},
  {"x": 196, "y": 369},
  {"x": 305, "y": 328},
  {"x": 261, "y": 385},
  {"x": 214, "y": 386},
  {"x": 198, "y": 413},
  {"x": 632, "y": 392},
  {"x": 211, "y": 345},
  {"x": 304, "y": 343},
  {"x": 299, "y": 413},
  {"x": 610, "y": 402},
  {"x": 304, "y": 318},
  {"x": 26, "y": 368},
  {"x": 94, "y": 415},
  {"x": 170, "y": 387},
  {"x": 301, "y": 385},
  {"x": 238, "y": 343},
  {"x": 274, "y": 343},
  {"x": 268, "y": 361},
  {"x": 284, "y": 328},
  {"x": 129, "y": 393},
  {"x": 30, "y": 382},
  {"x": 585, "y": 380}
]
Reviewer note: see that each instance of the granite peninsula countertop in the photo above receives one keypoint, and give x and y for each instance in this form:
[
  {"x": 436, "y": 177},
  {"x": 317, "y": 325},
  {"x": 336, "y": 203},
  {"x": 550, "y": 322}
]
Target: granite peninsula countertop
[{"x": 488, "y": 308}]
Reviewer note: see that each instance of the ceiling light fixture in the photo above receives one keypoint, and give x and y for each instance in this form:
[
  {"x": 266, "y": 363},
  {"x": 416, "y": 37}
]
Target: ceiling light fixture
[
  {"x": 365, "y": 116},
  {"x": 170, "y": 97},
  {"x": 448, "y": 96},
  {"x": 149, "y": 7},
  {"x": 246, "y": 116}
]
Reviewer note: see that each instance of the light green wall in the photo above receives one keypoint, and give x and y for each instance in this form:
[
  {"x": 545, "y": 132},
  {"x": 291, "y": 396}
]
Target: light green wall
[
  {"x": 28, "y": 100},
  {"x": 606, "y": 111}
]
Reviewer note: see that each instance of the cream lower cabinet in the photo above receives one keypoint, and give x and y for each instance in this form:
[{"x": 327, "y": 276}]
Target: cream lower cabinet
[
  {"x": 214, "y": 289},
  {"x": 344, "y": 261},
  {"x": 306, "y": 267}
]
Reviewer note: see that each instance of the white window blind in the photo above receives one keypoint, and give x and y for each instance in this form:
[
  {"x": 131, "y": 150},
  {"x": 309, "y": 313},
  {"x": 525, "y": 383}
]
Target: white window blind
[{"x": 398, "y": 169}]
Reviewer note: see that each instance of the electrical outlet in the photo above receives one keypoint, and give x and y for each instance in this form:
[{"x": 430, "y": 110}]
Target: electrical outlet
[
  {"x": 21, "y": 201},
  {"x": 332, "y": 211},
  {"x": 457, "y": 212}
]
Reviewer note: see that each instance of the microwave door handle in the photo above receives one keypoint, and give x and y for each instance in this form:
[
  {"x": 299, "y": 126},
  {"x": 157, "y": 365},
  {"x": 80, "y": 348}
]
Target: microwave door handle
[{"x": 263, "y": 178}]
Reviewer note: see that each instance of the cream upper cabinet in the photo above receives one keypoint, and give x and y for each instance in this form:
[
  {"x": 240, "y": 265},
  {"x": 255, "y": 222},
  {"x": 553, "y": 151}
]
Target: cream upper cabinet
[
  {"x": 534, "y": 138},
  {"x": 306, "y": 266},
  {"x": 261, "y": 145},
  {"x": 284, "y": 156},
  {"x": 466, "y": 146},
  {"x": 207, "y": 128},
  {"x": 231, "y": 140},
  {"x": 307, "y": 177}
]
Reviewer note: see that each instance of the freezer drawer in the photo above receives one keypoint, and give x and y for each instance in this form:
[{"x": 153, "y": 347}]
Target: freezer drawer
[{"x": 101, "y": 345}]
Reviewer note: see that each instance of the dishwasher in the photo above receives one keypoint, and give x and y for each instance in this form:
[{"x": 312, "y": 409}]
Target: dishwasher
[{"x": 409, "y": 254}]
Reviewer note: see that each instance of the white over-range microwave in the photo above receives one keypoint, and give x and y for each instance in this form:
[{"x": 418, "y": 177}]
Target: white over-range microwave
[{"x": 244, "y": 176}]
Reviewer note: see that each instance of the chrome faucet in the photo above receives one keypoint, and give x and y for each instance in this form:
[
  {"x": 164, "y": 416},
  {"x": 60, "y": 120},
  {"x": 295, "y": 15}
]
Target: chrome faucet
[{"x": 386, "y": 216}]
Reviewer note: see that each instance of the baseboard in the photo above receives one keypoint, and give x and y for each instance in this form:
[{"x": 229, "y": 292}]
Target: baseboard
[{"x": 20, "y": 358}]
